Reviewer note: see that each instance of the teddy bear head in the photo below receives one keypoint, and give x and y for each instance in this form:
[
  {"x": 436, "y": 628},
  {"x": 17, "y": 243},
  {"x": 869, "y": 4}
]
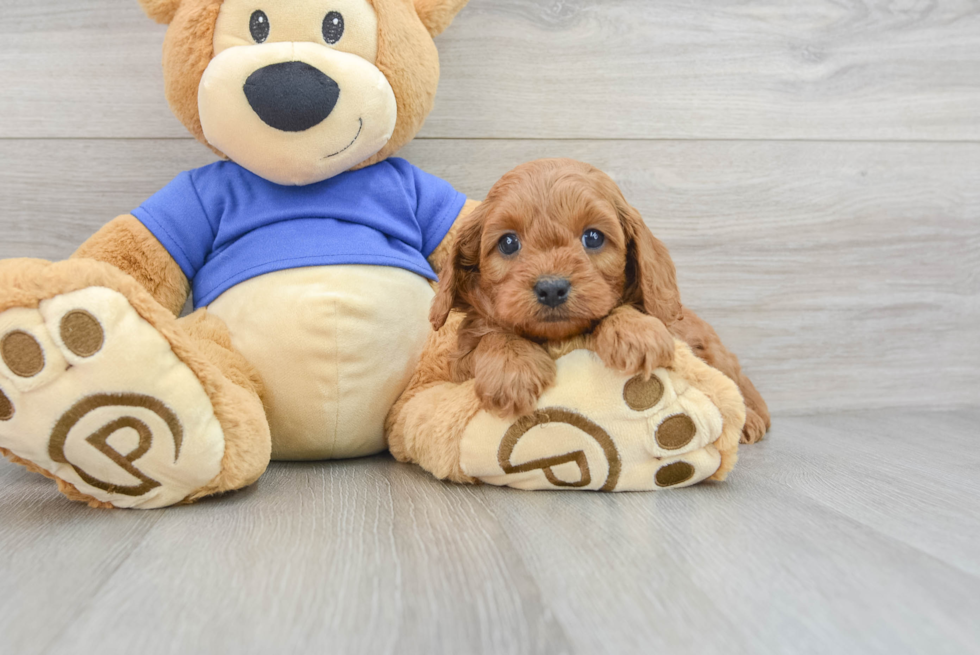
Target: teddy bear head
[{"x": 298, "y": 91}]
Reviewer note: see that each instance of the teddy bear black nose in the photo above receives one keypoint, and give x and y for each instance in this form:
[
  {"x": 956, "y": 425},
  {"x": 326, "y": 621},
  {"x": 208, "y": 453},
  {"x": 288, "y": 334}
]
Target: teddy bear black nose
[
  {"x": 552, "y": 291},
  {"x": 292, "y": 96}
]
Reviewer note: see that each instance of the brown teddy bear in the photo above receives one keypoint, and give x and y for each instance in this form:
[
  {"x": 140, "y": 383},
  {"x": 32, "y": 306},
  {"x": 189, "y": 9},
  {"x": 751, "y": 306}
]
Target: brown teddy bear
[
  {"x": 310, "y": 252},
  {"x": 307, "y": 253}
]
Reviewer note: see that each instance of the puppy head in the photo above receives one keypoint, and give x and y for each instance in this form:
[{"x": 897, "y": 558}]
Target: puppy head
[{"x": 552, "y": 251}]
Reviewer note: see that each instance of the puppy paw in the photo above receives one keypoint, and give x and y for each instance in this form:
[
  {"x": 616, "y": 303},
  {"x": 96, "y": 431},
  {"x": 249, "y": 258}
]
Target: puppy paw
[
  {"x": 510, "y": 387},
  {"x": 634, "y": 343}
]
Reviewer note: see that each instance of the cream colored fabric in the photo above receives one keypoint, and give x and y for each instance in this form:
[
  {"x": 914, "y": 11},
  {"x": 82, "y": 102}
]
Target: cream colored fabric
[
  {"x": 133, "y": 380},
  {"x": 359, "y": 126},
  {"x": 300, "y": 21},
  {"x": 587, "y": 413},
  {"x": 335, "y": 346}
]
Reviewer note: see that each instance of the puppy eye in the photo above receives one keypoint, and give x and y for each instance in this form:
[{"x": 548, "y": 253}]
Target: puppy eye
[
  {"x": 509, "y": 244},
  {"x": 333, "y": 27},
  {"x": 258, "y": 25},
  {"x": 593, "y": 239}
]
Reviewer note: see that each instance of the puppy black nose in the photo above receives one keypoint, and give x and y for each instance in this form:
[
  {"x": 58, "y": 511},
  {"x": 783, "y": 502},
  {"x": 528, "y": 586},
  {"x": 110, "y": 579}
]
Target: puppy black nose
[
  {"x": 552, "y": 291},
  {"x": 292, "y": 96}
]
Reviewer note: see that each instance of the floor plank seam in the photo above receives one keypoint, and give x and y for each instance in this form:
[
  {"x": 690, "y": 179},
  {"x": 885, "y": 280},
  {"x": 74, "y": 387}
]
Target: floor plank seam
[
  {"x": 477, "y": 496},
  {"x": 83, "y": 607},
  {"x": 817, "y": 503}
]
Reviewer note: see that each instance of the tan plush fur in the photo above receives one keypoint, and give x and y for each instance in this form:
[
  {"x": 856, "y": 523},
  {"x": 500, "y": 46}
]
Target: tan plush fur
[
  {"x": 406, "y": 55},
  {"x": 427, "y": 422},
  {"x": 126, "y": 244},
  {"x": 162, "y": 11},
  {"x": 436, "y": 15},
  {"x": 408, "y": 58},
  {"x": 238, "y": 406},
  {"x": 728, "y": 401},
  {"x": 187, "y": 50},
  {"x": 691, "y": 367},
  {"x": 706, "y": 344},
  {"x": 69, "y": 490},
  {"x": 707, "y": 379},
  {"x": 125, "y": 257},
  {"x": 200, "y": 341}
]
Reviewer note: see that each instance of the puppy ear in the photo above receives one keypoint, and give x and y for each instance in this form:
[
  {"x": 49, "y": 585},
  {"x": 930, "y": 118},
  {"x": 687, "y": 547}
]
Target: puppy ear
[
  {"x": 162, "y": 11},
  {"x": 436, "y": 15},
  {"x": 651, "y": 279},
  {"x": 461, "y": 272}
]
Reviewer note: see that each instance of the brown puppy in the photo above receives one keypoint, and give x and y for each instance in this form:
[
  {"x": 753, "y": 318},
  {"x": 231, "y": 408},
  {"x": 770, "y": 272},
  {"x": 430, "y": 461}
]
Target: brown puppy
[{"x": 556, "y": 252}]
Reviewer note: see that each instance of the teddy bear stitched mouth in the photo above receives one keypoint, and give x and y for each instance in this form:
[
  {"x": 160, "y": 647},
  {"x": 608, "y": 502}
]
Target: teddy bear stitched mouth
[{"x": 360, "y": 128}]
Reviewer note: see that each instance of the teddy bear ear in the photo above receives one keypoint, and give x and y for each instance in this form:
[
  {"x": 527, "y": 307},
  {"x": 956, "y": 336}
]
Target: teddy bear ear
[
  {"x": 436, "y": 15},
  {"x": 162, "y": 11}
]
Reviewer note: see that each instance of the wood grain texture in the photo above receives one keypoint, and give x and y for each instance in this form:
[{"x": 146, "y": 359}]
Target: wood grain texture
[
  {"x": 766, "y": 69},
  {"x": 818, "y": 543},
  {"x": 53, "y": 558},
  {"x": 352, "y": 557},
  {"x": 760, "y": 567},
  {"x": 789, "y": 154},
  {"x": 931, "y": 478},
  {"x": 845, "y": 275}
]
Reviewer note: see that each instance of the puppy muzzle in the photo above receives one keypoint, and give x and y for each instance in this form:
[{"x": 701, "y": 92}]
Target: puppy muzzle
[{"x": 552, "y": 291}]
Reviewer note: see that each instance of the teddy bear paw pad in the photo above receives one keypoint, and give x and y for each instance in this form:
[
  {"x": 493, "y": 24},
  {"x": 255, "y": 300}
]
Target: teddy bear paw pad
[
  {"x": 93, "y": 394},
  {"x": 597, "y": 429}
]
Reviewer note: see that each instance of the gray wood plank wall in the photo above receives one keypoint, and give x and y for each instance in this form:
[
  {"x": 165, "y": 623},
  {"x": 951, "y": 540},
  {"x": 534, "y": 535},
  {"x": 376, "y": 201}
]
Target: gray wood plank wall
[{"x": 813, "y": 166}]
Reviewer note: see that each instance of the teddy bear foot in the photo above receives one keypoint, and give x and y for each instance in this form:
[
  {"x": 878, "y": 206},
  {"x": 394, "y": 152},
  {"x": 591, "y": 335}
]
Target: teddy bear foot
[
  {"x": 597, "y": 429},
  {"x": 93, "y": 395}
]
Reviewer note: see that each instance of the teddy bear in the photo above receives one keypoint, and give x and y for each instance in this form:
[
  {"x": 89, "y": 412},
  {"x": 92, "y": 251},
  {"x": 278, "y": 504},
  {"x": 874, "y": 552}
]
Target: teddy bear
[
  {"x": 310, "y": 253},
  {"x": 308, "y": 249}
]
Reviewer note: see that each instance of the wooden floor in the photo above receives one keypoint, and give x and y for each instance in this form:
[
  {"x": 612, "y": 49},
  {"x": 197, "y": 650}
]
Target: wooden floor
[
  {"x": 814, "y": 168},
  {"x": 845, "y": 533}
]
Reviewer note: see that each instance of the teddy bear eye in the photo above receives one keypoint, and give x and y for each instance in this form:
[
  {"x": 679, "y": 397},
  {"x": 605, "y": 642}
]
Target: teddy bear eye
[
  {"x": 593, "y": 239},
  {"x": 509, "y": 244},
  {"x": 333, "y": 27},
  {"x": 258, "y": 25}
]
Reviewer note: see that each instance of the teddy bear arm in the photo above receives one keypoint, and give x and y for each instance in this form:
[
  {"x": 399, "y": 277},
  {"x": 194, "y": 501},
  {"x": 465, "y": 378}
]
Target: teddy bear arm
[{"x": 126, "y": 244}]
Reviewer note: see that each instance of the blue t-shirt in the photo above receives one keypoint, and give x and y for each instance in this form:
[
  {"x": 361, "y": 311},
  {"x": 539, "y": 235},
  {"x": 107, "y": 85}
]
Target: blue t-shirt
[{"x": 224, "y": 225}]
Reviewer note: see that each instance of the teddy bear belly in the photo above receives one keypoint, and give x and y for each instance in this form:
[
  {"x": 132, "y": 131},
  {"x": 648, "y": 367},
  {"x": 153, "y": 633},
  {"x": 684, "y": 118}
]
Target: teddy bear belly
[{"x": 335, "y": 347}]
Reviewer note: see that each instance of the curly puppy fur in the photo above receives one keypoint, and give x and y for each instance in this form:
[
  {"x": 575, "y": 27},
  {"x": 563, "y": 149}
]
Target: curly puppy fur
[{"x": 562, "y": 222}]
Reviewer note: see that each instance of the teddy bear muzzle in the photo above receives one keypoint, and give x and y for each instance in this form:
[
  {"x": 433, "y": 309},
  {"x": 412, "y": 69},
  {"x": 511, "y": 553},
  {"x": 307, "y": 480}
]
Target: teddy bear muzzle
[{"x": 295, "y": 113}]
